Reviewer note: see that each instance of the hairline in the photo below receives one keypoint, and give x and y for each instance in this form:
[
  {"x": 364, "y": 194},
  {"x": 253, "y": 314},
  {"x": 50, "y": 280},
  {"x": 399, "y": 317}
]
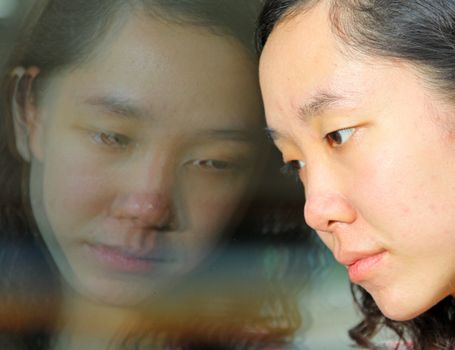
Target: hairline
[
  {"x": 119, "y": 16},
  {"x": 349, "y": 46}
]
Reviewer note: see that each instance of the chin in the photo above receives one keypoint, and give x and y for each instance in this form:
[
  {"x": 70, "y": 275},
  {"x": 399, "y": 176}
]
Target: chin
[
  {"x": 114, "y": 292},
  {"x": 400, "y": 307},
  {"x": 398, "y": 314}
]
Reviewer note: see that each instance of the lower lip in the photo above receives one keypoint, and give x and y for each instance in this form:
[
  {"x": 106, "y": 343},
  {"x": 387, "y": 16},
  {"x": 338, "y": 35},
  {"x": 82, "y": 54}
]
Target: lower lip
[
  {"x": 119, "y": 261},
  {"x": 360, "y": 270}
]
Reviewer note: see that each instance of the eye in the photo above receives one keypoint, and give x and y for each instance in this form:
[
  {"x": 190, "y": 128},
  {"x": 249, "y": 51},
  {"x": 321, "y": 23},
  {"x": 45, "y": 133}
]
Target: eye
[
  {"x": 339, "y": 137},
  {"x": 111, "y": 139},
  {"x": 214, "y": 164},
  {"x": 292, "y": 168}
]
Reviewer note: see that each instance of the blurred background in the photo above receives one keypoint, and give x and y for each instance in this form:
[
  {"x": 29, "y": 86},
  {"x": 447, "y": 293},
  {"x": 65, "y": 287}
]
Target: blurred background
[
  {"x": 11, "y": 14},
  {"x": 328, "y": 309},
  {"x": 326, "y": 304}
]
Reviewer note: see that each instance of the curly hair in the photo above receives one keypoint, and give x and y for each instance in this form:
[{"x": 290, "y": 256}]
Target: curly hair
[{"x": 420, "y": 32}]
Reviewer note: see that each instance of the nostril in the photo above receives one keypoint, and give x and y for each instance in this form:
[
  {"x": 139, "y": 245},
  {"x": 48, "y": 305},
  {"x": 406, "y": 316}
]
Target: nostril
[
  {"x": 149, "y": 210},
  {"x": 164, "y": 228},
  {"x": 163, "y": 223}
]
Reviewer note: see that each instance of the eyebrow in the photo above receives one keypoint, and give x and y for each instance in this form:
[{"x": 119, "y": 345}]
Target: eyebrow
[
  {"x": 126, "y": 107},
  {"x": 316, "y": 106},
  {"x": 319, "y": 103},
  {"x": 121, "y": 106}
]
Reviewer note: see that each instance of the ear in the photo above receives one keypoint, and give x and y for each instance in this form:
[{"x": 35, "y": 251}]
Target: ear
[{"x": 27, "y": 124}]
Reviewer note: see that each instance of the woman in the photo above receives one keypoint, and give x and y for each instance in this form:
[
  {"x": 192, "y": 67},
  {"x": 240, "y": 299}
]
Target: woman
[
  {"x": 359, "y": 100},
  {"x": 129, "y": 144}
]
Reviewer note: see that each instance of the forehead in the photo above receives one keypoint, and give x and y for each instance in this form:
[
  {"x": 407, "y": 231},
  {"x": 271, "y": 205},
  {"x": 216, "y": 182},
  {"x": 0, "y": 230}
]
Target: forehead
[
  {"x": 303, "y": 60},
  {"x": 169, "y": 68},
  {"x": 301, "y": 52},
  {"x": 145, "y": 44}
]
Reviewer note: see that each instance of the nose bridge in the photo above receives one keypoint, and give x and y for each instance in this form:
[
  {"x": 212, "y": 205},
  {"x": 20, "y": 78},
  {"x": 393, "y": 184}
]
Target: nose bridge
[
  {"x": 320, "y": 178},
  {"x": 325, "y": 203},
  {"x": 147, "y": 194},
  {"x": 154, "y": 172}
]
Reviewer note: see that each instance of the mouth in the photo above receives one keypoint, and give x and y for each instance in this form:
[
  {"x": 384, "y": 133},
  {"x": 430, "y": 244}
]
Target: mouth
[
  {"x": 361, "y": 267},
  {"x": 122, "y": 259}
]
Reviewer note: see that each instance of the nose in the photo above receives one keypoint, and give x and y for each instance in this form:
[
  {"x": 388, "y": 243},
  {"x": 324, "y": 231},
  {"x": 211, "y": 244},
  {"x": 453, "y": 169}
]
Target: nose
[
  {"x": 146, "y": 196},
  {"x": 325, "y": 205},
  {"x": 151, "y": 210}
]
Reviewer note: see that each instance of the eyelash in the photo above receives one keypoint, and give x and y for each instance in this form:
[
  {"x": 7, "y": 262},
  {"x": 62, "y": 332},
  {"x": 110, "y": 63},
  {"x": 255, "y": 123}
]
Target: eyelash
[
  {"x": 335, "y": 139},
  {"x": 111, "y": 139},
  {"x": 217, "y": 165},
  {"x": 119, "y": 141},
  {"x": 292, "y": 168}
]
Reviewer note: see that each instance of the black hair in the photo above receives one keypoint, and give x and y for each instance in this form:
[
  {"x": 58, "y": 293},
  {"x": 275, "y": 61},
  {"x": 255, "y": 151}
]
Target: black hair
[{"x": 422, "y": 33}]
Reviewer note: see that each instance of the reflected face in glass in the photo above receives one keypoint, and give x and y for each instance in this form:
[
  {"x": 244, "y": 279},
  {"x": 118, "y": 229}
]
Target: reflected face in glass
[
  {"x": 374, "y": 148},
  {"x": 142, "y": 155}
]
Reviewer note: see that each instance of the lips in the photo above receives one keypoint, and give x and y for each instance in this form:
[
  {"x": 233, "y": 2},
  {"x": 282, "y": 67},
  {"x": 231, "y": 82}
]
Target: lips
[
  {"x": 123, "y": 259},
  {"x": 360, "y": 265}
]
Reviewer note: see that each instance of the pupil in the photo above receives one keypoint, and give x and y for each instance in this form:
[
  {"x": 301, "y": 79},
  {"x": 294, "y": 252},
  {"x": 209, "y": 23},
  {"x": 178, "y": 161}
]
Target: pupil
[{"x": 336, "y": 137}]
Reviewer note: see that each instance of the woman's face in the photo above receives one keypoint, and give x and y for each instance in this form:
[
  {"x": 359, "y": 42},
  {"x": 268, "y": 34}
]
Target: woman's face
[
  {"x": 378, "y": 149},
  {"x": 141, "y": 156}
]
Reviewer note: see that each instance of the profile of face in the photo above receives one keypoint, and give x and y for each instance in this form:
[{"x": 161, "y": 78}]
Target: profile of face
[
  {"x": 141, "y": 156},
  {"x": 374, "y": 148}
]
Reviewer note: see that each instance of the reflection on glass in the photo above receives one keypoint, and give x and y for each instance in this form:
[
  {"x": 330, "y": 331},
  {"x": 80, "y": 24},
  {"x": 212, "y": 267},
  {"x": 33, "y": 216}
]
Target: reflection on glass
[{"x": 134, "y": 160}]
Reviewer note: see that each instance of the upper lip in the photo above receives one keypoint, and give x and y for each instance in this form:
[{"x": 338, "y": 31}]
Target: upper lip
[
  {"x": 128, "y": 252},
  {"x": 350, "y": 258}
]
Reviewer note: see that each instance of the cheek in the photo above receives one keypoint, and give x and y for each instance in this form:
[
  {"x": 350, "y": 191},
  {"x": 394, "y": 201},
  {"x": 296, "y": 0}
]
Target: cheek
[
  {"x": 399, "y": 191},
  {"x": 389, "y": 189},
  {"x": 75, "y": 189},
  {"x": 211, "y": 208}
]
